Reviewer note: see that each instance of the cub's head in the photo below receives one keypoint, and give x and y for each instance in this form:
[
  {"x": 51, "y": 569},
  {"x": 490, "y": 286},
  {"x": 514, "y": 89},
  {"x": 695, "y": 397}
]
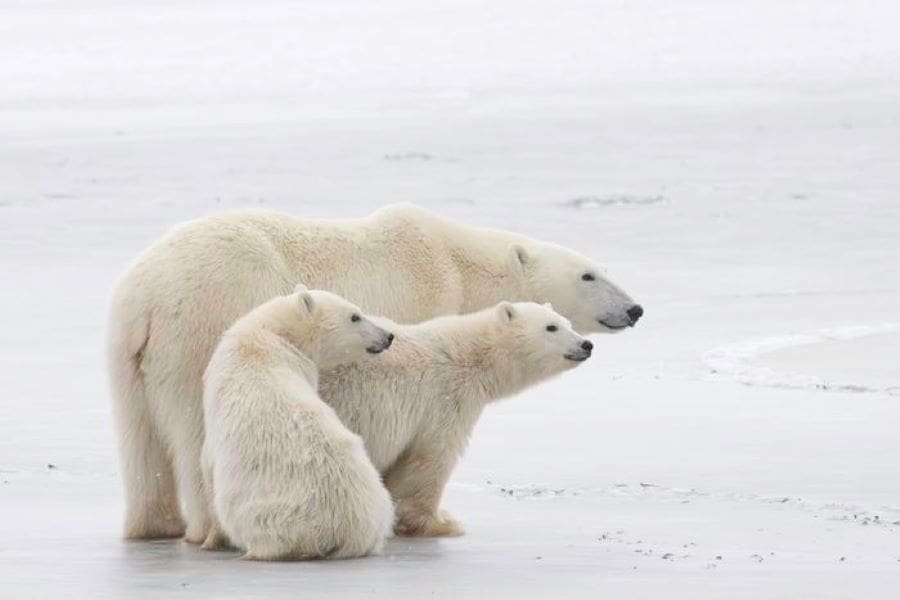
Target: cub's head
[
  {"x": 344, "y": 332},
  {"x": 541, "y": 339},
  {"x": 576, "y": 286}
]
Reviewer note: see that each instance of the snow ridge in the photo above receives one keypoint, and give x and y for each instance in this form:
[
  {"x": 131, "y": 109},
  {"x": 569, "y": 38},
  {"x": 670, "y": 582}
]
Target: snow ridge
[{"x": 736, "y": 360}]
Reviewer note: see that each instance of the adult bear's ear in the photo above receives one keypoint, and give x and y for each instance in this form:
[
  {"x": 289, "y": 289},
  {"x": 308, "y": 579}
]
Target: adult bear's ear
[
  {"x": 518, "y": 258},
  {"x": 300, "y": 288},
  {"x": 506, "y": 312},
  {"x": 307, "y": 303}
]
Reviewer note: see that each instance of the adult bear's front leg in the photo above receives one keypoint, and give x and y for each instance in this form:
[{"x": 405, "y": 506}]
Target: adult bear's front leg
[{"x": 416, "y": 483}]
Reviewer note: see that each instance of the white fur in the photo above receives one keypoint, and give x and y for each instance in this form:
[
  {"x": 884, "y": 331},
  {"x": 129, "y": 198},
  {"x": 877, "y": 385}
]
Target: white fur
[
  {"x": 286, "y": 478},
  {"x": 175, "y": 301},
  {"x": 416, "y": 405}
]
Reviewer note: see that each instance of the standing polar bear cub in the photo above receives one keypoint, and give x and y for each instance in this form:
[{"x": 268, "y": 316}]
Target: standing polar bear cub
[
  {"x": 285, "y": 478},
  {"x": 416, "y": 406}
]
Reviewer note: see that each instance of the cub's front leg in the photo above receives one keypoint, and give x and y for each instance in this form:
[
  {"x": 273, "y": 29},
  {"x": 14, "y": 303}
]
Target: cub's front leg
[{"x": 416, "y": 483}]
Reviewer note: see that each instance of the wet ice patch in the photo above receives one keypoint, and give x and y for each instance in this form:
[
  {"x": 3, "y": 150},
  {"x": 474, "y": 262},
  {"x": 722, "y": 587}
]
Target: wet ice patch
[
  {"x": 594, "y": 202},
  {"x": 804, "y": 361},
  {"x": 409, "y": 156},
  {"x": 416, "y": 157}
]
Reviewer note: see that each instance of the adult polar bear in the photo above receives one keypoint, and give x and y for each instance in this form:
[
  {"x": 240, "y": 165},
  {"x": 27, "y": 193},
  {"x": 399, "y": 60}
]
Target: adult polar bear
[{"x": 185, "y": 290}]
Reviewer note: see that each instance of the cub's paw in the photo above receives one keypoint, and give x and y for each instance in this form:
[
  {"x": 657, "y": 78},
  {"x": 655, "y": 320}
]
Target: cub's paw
[
  {"x": 418, "y": 525},
  {"x": 196, "y": 534},
  {"x": 216, "y": 540}
]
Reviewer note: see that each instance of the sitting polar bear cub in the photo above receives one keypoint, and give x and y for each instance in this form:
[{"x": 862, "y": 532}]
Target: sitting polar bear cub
[
  {"x": 416, "y": 406},
  {"x": 285, "y": 478}
]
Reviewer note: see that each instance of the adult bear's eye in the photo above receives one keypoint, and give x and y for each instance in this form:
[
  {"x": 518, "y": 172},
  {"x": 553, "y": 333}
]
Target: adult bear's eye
[
  {"x": 588, "y": 277},
  {"x": 355, "y": 318},
  {"x": 552, "y": 327}
]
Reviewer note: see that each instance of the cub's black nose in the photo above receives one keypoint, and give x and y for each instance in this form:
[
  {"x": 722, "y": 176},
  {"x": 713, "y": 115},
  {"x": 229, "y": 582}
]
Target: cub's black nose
[
  {"x": 586, "y": 345},
  {"x": 390, "y": 338},
  {"x": 635, "y": 313}
]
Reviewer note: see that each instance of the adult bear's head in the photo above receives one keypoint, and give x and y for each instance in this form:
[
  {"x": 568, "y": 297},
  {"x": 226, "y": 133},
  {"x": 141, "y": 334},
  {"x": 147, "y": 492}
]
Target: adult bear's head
[{"x": 576, "y": 286}]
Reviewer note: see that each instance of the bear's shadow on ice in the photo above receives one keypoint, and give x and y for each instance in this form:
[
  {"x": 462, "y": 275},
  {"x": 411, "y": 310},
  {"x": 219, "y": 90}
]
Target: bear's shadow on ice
[{"x": 162, "y": 555}]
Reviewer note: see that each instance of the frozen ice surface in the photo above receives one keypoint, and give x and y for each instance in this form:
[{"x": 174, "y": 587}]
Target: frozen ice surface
[
  {"x": 849, "y": 359},
  {"x": 735, "y": 165}
]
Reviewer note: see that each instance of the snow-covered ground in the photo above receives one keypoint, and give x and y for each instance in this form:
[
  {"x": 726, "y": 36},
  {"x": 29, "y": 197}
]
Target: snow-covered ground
[{"x": 736, "y": 165}]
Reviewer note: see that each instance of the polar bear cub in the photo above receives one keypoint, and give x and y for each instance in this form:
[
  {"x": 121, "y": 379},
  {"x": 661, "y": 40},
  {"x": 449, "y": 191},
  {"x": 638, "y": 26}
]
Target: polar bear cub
[
  {"x": 285, "y": 478},
  {"x": 416, "y": 406}
]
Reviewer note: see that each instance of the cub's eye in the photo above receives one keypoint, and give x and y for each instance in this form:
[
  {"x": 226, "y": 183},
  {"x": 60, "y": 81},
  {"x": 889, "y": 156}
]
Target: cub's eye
[
  {"x": 552, "y": 327},
  {"x": 588, "y": 277},
  {"x": 355, "y": 318}
]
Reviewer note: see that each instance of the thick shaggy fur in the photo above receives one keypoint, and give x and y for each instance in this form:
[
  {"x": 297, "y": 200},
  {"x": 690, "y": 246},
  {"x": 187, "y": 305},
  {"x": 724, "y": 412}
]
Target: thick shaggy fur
[
  {"x": 287, "y": 480},
  {"x": 416, "y": 405},
  {"x": 183, "y": 292}
]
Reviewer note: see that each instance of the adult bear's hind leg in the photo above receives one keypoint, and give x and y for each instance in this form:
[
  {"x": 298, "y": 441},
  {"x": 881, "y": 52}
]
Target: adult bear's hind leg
[{"x": 151, "y": 500}]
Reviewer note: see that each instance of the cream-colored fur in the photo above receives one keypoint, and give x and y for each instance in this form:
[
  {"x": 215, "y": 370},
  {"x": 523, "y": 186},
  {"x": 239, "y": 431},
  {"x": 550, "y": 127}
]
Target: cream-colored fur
[
  {"x": 185, "y": 290},
  {"x": 286, "y": 478},
  {"x": 416, "y": 405}
]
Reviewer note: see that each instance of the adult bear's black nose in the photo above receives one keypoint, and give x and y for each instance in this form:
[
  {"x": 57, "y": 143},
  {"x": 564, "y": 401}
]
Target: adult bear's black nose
[
  {"x": 586, "y": 345},
  {"x": 635, "y": 313}
]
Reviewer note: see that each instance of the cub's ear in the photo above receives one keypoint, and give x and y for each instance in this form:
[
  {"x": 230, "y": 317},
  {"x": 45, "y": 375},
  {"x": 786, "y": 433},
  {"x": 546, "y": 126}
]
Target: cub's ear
[
  {"x": 548, "y": 306},
  {"x": 307, "y": 303},
  {"x": 506, "y": 312},
  {"x": 300, "y": 288},
  {"x": 518, "y": 258}
]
